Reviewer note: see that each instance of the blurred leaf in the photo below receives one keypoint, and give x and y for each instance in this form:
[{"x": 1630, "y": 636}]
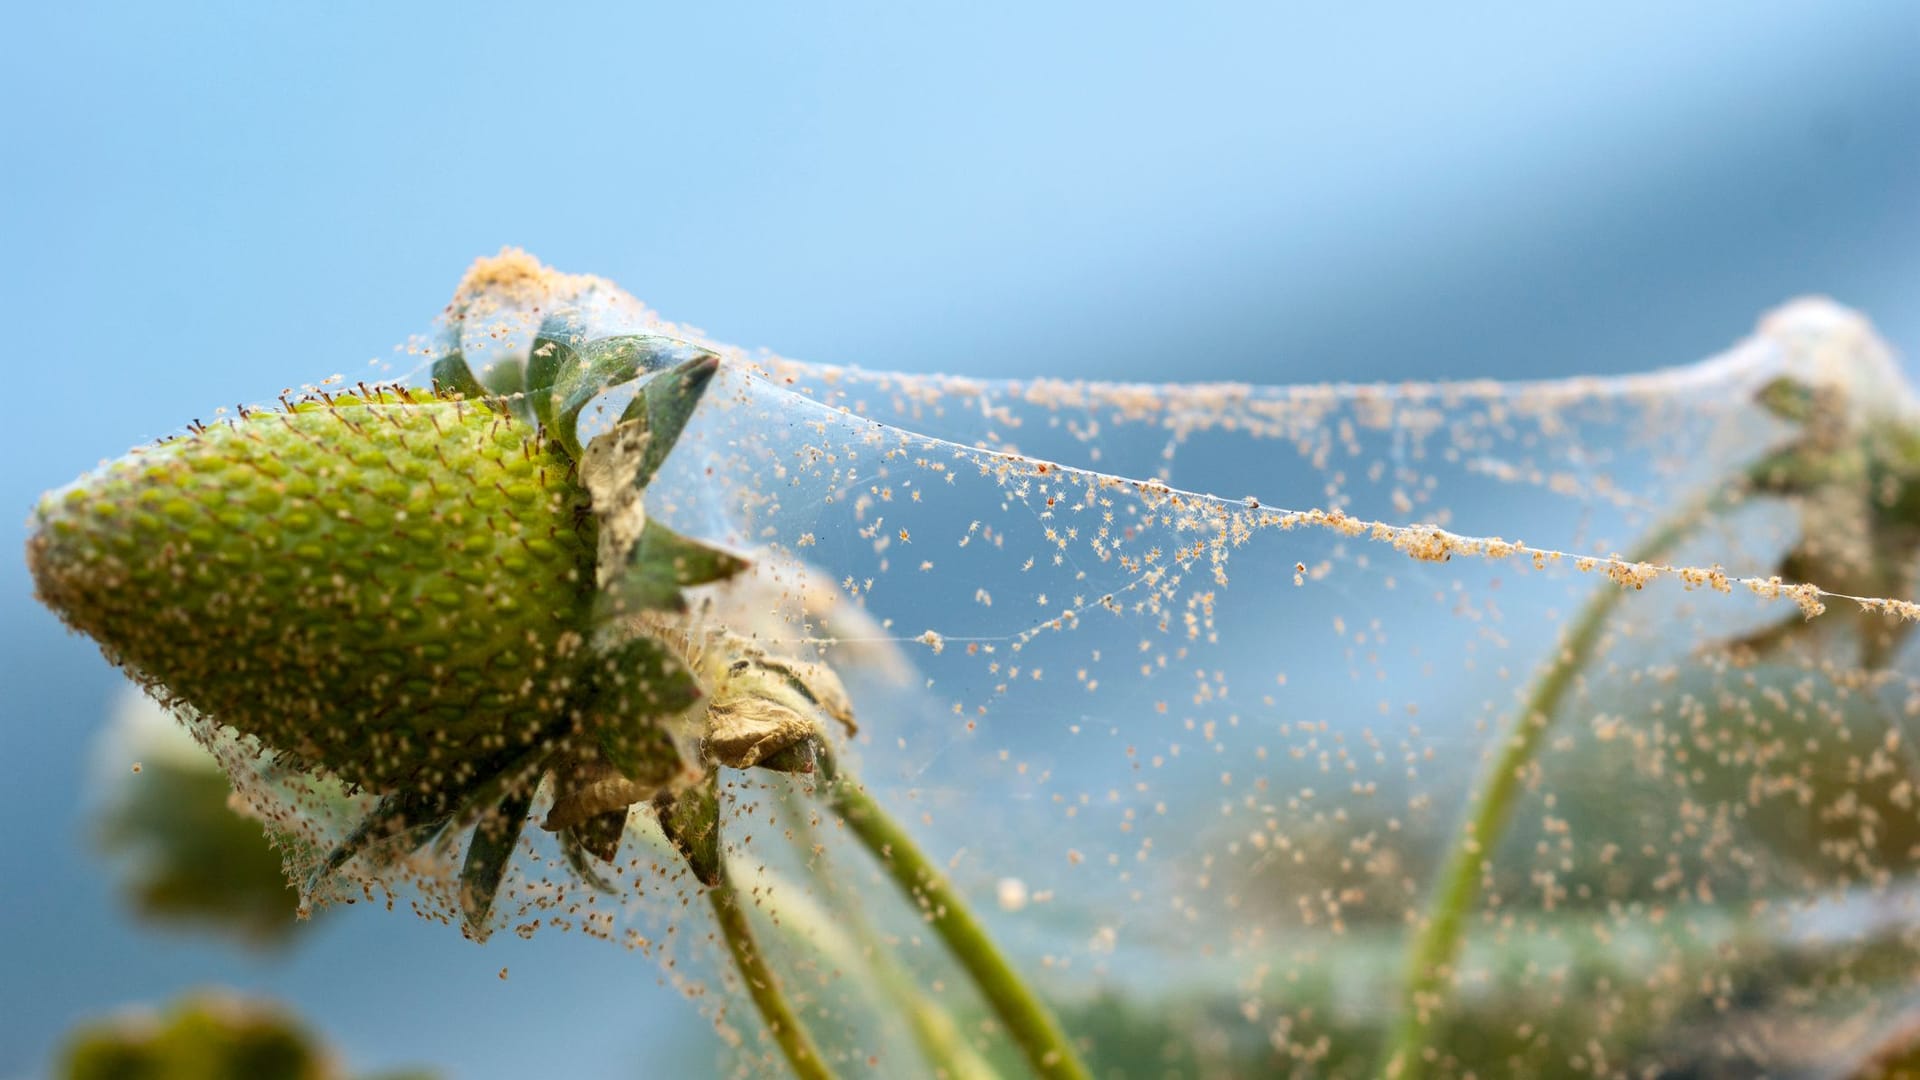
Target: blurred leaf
[
  {"x": 189, "y": 859},
  {"x": 201, "y": 1038},
  {"x": 205, "y": 1036}
]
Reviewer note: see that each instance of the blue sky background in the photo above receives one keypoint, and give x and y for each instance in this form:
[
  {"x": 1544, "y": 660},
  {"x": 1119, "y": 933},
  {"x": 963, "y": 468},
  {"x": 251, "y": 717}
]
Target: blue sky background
[{"x": 201, "y": 204}]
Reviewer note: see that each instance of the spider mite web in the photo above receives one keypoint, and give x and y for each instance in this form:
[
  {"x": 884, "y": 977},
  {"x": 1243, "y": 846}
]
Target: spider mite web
[{"x": 1190, "y": 688}]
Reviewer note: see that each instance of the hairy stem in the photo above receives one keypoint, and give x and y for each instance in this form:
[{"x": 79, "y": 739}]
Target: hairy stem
[
  {"x": 1032, "y": 1026},
  {"x": 1436, "y": 945},
  {"x": 802, "y": 1056}
]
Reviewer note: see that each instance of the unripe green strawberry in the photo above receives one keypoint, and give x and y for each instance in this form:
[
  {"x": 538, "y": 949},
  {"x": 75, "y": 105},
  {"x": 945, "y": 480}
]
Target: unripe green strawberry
[
  {"x": 419, "y": 592},
  {"x": 394, "y": 588}
]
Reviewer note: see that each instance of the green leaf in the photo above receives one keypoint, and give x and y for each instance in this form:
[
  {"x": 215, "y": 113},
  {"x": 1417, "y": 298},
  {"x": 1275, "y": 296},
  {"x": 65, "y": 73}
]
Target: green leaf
[
  {"x": 638, "y": 678},
  {"x": 604, "y": 363},
  {"x": 664, "y": 562},
  {"x": 451, "y": 375},
  {"x": 1790, "y": 470},
  {"x": 554, "y": 356},
  {"x": 507, "y": 380},
  {"x": 642, "y": 750},
  {"x": 691, "y": 821},
  {"x": 666, "y": 403},
  {"x": 411, "y": 814},
  {"x": 580, "y": 856},
  {"x": 600, "y": 835},
  {"x": 412, "y": 819},
  {"x": 488, "y": 854},
  {"x": 1789, "y": 399},
  {"x": 609, "y": 362}
]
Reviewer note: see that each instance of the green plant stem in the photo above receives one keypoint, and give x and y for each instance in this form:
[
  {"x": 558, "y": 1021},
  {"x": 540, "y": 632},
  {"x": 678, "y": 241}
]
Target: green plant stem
[
  {"x": 1032, "y": 1026},
  {"x": 940, "y": 1040},
  {"x": 1436, "y": 945},
  {"x": 850, "y": 940},
  {"x": 802, "y": 1056},
  {"x": 842, "y": 938}
]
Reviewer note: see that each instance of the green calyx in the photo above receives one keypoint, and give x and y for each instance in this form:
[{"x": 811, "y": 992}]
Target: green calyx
[{"x": 426, "y": 594}]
